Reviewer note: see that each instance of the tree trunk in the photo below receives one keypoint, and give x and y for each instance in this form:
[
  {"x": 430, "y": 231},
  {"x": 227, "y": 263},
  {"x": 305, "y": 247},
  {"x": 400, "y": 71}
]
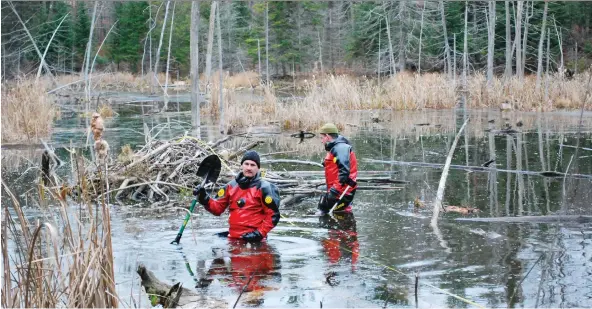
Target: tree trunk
[
  {"x": 320, "y": 51},
  {"x": 518, "y": 39},
  {"x": 166, "y": 78},
  {"x": 547, "y": 67},
  {"x": 378, "y": 57},
  {"x": 465, "y": 53},
  {"x": 420, "y": 37},
  {"x": 194, "y": 58},
  {"x": 330, "y": 34},
  {"x": 43, "y": 63},
  {"x": 221, "y": 73},
  {"x": 508, "y": 71},
  {"x": 259, "y": 56},
  {"x": 446, "y": 45},
  {"x": 87, "y": 56},
  {"x": 576, "y": 55},
  {"x": 267, "y": 43},
  {"x": 559, "y": 41},
  {"x": 490, "y": 41},
  {"x": 47, "y": 48},
  {"x": 391, "y": 52},
  {"x": 541, "y": 42},
  {"x": 454, "y": 60},
  {"x": 155, "y": 71},
  {"x": 402, "y": 36},
  {"x": 525, "y": 37},
  {"x": 210, "y": 45}
]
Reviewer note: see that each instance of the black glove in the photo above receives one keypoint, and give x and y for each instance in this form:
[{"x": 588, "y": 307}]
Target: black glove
[
  {"x": 201, "y": 194},
  {"x": 348, "y": 182},
  {"x": 253, "y": 236},
  {"x": 328, "y": 200}
]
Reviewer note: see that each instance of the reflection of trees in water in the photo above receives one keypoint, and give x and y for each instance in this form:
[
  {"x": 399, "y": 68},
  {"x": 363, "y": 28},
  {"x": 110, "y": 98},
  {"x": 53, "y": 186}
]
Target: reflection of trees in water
[{"x": 514, "y": 265}]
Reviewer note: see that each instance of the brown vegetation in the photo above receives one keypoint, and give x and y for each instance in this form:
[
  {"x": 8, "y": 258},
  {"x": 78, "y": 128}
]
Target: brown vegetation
[
  {"x": 27, "y": 112},
  {"x": 70, "y": 266}
]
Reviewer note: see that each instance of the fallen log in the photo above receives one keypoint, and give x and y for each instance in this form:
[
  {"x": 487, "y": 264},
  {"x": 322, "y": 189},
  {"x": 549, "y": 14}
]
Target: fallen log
[
  {"x": 533, "y": 219},
  {"x": 175, "y": 296},
  {"x": 293, "y": 161},
  {"x": 551, "y": 174}
]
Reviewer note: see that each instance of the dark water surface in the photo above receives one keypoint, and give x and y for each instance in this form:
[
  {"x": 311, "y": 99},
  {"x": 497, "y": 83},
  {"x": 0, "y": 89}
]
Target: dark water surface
[{"x": 370, "y": 257}]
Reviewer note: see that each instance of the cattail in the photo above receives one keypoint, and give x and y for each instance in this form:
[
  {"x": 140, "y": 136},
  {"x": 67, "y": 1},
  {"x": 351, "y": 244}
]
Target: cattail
[
  {"x": 97, "y": 126},
  {"x": 101, "y": 148}
]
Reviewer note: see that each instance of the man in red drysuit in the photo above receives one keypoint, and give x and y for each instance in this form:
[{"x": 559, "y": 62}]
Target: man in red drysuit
[
  {"x": 253, "y": 203},
  {"x": 341, "y": 170}
]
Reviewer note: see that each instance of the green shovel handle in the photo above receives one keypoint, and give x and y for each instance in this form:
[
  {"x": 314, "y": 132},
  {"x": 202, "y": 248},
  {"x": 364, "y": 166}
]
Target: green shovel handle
[{"x": 187, "y": 217}]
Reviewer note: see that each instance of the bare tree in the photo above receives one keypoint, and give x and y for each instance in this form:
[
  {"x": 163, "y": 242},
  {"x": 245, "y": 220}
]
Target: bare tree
[
  {"x": 379, "y": 52},
  {"x": 221, "y": 73},
  {"x": 402, "y": 36},
  {"x": 508, "y": 71},
  {"x": 518, "y": 39},
  {"x": 420, "y": 37},
  {"x": 560, "y": 42},
  {"x": 155, "y": 71},
  {"x": 320, "y": 51},
  {"x": 210, "y": 45},
  {"x": 267, "y": 42},
  {"x": 390, "y": 42},
  {"x": 465, "y": 54},
  {"x": 527, "y": 18},
  {"x": 47, "y": 47},
  {"x": 41, "y": 57},
  {"x": 87, "y": 56},
  {"x": 166, "y": 78},
  {"x": 547, "y": 66},
  {"x": 490, "y": 41},
  {"x": 446, "y": 45},
  {"x": 541, "y": 41},
  {"x": 259, "y": 55},
  {"x": 194, "y": 58}
]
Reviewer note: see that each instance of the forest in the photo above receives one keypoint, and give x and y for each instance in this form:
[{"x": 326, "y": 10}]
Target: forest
[{"x": 280, "y": 38}]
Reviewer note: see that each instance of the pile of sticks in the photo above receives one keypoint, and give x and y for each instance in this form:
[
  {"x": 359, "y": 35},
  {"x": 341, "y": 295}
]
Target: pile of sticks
[{"x": 164, "y": 167}]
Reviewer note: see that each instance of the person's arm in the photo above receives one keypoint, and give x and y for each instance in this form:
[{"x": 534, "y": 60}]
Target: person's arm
[
  {"x": 270, "y": 197},
  {"x": 218, "y": 205}
]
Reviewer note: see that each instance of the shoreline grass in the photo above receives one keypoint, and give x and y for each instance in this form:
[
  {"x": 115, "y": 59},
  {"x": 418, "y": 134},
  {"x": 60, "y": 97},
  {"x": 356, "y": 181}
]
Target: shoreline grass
[
  {"x": 64, "y": 260},
  {"x": 27, "y": 112},
  {"x": 326, "y": 100}
]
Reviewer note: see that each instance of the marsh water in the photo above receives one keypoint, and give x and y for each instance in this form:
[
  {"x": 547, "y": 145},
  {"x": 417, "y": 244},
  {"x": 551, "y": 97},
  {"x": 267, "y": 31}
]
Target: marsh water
[{"x": 370, "y": 258}]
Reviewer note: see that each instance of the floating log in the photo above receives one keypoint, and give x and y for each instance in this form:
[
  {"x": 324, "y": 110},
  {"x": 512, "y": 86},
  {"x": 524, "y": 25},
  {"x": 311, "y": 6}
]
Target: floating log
[
  {"x": 176, "y": 296},
  {"x": 551, "y": 174},
  {"x": 293, "y": 162},
  {"x": 533, "y": 219}
]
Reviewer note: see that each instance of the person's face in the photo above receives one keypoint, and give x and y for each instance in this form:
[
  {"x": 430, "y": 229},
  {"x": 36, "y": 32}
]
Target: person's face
[
  {"x": 325, "y": 138},
  {"x": 249, "y": 168}
]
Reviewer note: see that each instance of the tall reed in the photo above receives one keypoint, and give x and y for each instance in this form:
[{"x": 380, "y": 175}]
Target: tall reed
[
  {"x": 27, "y": 112},
  {"x": 62, "y": 259}
]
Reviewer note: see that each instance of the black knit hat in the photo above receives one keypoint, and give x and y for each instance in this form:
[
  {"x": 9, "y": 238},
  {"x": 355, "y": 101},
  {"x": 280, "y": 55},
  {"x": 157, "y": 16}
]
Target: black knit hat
[{"x": 253, "y": 156}]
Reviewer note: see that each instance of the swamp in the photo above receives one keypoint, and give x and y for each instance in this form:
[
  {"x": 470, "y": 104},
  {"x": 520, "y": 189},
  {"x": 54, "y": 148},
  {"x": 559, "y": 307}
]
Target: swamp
[
  {"x": 471, "y": 124},
  {"x": 370, "y": 257}
]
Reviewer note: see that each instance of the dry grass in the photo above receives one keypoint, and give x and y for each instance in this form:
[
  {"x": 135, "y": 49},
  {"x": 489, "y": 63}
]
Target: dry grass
[
  {"x": 118, "y": 81},
  {"x": 327, "y": 99},
  {"x": 246, "y": 79},
  {"x": 27, "y": 112},
  {"x": 106, "y": 111},
  {"x": 66, "y": 261}
]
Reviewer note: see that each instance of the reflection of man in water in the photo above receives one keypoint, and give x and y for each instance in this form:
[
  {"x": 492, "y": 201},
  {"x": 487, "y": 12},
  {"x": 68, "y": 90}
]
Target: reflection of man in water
[
  {"x": 247, "y": 267},
  {"x": 342, "y": 242}
]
